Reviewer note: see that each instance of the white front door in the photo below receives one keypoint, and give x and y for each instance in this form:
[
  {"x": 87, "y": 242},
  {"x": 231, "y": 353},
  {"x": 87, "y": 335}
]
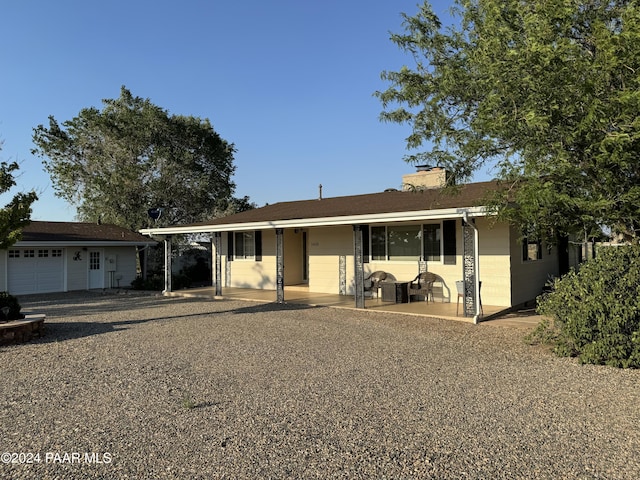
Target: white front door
[{"x": 96, "y": 269}]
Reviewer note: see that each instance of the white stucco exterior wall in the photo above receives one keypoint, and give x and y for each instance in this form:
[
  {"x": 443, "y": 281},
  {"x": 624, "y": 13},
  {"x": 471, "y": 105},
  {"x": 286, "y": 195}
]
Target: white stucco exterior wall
[
  {"x": 529, "y": 277},
  {"x": 506, "y": 279},
  {"x": 495, "y": 262},
  {"x": 76, "y": 261}
]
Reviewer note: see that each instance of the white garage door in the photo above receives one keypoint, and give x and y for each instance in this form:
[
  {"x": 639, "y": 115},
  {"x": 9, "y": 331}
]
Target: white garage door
[{"x": 35, "y": 270}]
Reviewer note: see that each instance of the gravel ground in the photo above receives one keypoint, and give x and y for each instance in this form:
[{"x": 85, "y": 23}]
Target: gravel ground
[{"x": 146, "y": 387}]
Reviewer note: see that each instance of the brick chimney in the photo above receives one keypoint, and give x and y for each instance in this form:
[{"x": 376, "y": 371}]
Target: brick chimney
[{"x": 426, "y": 176}]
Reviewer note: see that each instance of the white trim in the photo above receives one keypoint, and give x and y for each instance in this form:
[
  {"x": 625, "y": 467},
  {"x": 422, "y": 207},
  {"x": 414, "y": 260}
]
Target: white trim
[
  {"x": 411, "y": 216},
  {"x": 88, "y": 244}
]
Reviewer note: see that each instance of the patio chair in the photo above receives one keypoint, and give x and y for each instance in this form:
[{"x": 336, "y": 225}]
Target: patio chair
[
  {"x": 373, "y": 281},
  {"x": 422, "y": 285}
]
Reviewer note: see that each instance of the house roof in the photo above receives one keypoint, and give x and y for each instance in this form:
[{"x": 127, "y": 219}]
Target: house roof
[
  {"x": 77, "y": 233},
  {"x": 381, "y": 207}
]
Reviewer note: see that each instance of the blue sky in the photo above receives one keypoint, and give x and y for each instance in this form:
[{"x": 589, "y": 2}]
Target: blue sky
[{"x": 289, "y": 82}]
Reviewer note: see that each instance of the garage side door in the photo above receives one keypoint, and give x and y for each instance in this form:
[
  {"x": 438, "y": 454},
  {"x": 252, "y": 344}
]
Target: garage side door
[{"x": 39, "y": 270}]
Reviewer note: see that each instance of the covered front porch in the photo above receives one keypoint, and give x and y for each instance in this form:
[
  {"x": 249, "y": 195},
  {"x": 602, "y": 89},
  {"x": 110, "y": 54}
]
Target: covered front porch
[{"x": 301, "y": 295}]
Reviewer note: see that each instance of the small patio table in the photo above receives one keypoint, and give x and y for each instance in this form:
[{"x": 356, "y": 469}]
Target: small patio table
[{"x": 396, "y": 292}]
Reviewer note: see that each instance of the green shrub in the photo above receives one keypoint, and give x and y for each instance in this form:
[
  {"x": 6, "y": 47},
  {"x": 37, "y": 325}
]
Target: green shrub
[
  {"x": 596, "y": 310},
  {"x": 545, "y": 333},
  {"x": 155, "y": 282},
  {"x": 180, "y": 281},
  {"x": 152, "y": 283},
  {"x": 198, "y": 272},
  {"x": 11, "y": 302}
]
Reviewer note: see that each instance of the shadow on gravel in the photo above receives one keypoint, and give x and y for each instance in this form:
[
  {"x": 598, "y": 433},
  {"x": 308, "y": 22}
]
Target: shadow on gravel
[
  {"x": 90, "y": 303},
  {"x": 269, "y": 307},
  {"x": 61, "y": 331},
  {"x": 64, "y": 305}
]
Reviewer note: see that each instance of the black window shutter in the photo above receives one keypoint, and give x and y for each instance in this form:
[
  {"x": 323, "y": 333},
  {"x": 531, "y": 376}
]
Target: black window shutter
[
  {"x": 365, "y": 243},
  {"x": 230, "y": 246},
  {"x": 258, "y": 245},
  {"x": 449, "y": 241}
]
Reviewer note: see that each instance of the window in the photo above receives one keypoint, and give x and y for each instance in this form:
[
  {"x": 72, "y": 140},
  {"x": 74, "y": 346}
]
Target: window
[
  {"x": 398, "y": 242},
  {"x": 43, "y": 253},
  {"x": 378, "y": 243},
  {"x": 14, "y": 253},
  {"x": 404, "y": 242},
  {"x": 531, "y": 250},
  {"x": 244, "y": 243},
  {"x": 432, "y": 239},
  {"x": 56, "y": 252},
  {"x": 94, "y": 260},
  {"x": 449, "y": 244},
  {"x": 29, "y": 254},
  {"x": 433, "y": 242}
]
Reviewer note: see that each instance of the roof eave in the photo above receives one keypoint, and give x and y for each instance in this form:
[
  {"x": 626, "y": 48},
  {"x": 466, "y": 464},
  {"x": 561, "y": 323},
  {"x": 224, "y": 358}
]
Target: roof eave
[
  {"x": 87, "y": 243},
  {"x": 410, "y": 216}
]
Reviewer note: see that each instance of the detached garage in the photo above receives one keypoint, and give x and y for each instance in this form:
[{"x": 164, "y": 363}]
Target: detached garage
[{"x": 65, "y": 256}]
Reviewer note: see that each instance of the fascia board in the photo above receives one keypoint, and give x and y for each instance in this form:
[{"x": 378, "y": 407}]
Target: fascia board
[
  {"x": 23, "y": 244},
  {"x": 420, "y": 215}
]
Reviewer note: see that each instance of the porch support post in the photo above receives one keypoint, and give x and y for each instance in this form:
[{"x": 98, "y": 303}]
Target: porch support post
[
  {"x": 167, "y": 264},
  {"x": 358, "y": 265},
  {"x": 470, "y": 272},
  {"x": 280, "y": 265},
  {"x": 217, "y": 279}
]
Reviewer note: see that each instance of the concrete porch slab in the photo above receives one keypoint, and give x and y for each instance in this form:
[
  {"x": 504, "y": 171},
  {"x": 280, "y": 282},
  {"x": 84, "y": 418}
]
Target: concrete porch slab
[{"x": 297, "y": 295}]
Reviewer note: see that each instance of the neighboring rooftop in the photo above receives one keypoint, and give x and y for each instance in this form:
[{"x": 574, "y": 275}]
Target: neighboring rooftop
[{"x": 75, "y": 232}]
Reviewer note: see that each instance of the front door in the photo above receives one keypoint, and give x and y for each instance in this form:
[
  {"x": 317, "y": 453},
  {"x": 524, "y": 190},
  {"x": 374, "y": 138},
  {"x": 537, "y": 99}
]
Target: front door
[{"x": 96, "y": 270}]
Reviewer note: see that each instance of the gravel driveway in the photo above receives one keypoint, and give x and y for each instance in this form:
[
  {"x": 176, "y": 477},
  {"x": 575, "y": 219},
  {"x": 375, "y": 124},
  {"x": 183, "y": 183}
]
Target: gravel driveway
[{"x": 146, "y": 387}]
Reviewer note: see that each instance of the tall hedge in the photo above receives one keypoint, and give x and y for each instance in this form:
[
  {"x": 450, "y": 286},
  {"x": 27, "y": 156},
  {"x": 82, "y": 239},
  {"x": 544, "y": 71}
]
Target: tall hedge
[{"x": 596, "y": 310}]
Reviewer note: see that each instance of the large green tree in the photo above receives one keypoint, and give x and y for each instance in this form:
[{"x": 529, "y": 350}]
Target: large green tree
[
  {"x": 15, "y": 214},
  {"x": 116, "y": 163},
  {"x": 547, "y": 90}
]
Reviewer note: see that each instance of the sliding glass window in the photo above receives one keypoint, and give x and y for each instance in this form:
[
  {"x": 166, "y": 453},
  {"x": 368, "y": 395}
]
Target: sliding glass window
[
  {"x": 432, "y": 242},
  {"x": 397, "y": 242},
  {"x": 404, "y": 242}
]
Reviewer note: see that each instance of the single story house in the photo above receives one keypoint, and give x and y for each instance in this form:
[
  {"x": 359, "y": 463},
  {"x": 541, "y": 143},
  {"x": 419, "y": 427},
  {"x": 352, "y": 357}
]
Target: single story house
[
  {"x": 331, "y": 245},
  {"x": 65, "y": 256}
]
